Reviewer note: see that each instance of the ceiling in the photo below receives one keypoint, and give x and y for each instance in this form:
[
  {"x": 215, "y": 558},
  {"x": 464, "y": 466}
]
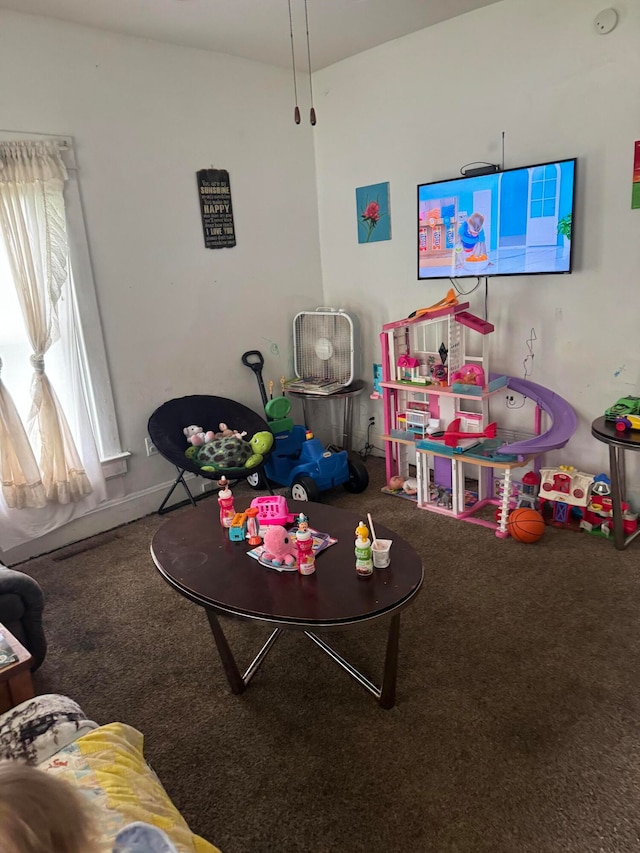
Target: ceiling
[{"x": 258, "y": 29}]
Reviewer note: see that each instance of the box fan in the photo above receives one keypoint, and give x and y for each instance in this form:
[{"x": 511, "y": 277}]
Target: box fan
[{"x": 325, "y": 349}]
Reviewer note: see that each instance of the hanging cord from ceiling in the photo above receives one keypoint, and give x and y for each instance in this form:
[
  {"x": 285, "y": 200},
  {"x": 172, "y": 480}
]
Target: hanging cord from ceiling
[
  {"x": 296, "y": 112},
  {"x": 312, "y": 112}
]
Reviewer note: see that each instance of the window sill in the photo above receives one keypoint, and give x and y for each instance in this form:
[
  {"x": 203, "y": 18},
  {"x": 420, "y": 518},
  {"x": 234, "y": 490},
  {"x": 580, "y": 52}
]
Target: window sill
[{"x": 115, "y": 466}]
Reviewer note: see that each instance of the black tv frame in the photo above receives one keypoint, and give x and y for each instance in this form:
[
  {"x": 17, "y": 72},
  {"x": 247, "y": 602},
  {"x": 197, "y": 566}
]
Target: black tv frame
[{"x": 485, "y": 274}]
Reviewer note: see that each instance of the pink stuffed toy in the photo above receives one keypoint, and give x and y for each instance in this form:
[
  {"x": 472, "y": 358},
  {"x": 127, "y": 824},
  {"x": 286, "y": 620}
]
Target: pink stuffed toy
[
  {"x": 196, "y": 436},
  {"x": 279, "y": 547}
]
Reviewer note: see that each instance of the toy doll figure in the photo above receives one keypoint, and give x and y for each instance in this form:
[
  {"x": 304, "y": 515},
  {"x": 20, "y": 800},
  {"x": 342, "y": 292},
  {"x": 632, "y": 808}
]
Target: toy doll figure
[
  {"x": 304, "y": 546},
  {"x": 396, "y": 482},
  {"x": 410, "y": 486}
]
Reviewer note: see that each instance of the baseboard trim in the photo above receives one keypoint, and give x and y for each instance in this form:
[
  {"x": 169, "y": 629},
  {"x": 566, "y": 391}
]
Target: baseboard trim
[{"x": 112, "y": 513}]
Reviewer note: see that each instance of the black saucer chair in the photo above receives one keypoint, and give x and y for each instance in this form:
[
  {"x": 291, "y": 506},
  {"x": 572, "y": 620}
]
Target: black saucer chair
[{"x": 166, "y": 427}]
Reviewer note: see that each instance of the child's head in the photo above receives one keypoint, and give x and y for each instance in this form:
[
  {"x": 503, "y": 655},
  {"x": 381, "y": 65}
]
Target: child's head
[
  {"x": 41, "y": 814},
  {"x": 475, "y": 222}
]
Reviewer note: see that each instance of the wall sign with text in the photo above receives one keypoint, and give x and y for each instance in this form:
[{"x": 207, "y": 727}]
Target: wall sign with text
[{"x": 214, "y": 190}]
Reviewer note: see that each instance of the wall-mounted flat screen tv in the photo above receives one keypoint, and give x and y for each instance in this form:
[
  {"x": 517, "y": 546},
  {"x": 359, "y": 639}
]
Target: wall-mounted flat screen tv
[{"x": 514, "y": 222}]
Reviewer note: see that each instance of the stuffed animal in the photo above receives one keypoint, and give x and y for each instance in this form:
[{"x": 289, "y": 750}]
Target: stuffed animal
[
  {"x": 223, "y": 453},
  {"x": 279, "y": 547},
  {"x": 225, "y": 432},
  {"x": 196, "y": 436}
]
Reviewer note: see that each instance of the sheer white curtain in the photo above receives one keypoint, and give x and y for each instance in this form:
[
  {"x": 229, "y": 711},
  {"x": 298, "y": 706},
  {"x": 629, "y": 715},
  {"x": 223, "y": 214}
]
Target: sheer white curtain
[
  {"x": 33, "y": 229},
  {"x": 21, "y": 481}
]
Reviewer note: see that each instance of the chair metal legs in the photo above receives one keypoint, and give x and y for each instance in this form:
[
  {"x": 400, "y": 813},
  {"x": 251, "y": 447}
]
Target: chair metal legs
[
  {"x": 179, "y": 479},
  {"x": 162, "y": 509}
]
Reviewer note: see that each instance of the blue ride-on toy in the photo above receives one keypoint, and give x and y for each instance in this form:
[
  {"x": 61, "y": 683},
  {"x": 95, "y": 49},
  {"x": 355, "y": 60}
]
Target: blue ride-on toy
[{"x": 297, "y": 459}]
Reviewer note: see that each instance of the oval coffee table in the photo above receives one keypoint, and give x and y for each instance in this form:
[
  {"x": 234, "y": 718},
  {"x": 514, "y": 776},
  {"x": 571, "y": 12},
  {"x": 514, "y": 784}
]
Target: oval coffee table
[{"x": 195, "y": 556}]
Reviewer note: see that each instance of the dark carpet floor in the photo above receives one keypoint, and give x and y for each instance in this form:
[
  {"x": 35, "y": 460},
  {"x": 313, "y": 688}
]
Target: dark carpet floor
[{"x": 517, "y": 724}]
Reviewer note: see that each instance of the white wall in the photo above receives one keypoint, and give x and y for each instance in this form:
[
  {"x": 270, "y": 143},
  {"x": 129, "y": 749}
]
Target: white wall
[
  {"x": 177, "y": 317},
  {"x": 417, "y": 109}
]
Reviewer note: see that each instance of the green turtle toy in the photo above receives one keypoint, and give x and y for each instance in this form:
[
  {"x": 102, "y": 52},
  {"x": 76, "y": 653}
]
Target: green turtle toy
[{"x": 232, "y": 452}]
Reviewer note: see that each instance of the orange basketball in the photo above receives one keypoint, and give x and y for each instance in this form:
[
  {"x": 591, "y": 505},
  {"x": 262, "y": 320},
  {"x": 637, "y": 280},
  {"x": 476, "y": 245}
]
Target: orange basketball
[{"x": 525, "y": 525}]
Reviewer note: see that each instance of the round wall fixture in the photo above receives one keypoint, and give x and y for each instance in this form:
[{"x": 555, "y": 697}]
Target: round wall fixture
[{"x": 606, "y": 21}]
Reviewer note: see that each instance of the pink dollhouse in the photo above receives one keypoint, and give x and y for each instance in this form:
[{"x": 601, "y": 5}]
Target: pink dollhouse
[{"x": 416, "y": 395}]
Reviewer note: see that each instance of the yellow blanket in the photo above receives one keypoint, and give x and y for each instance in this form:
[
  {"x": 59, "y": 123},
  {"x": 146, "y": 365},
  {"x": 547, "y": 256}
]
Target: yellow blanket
[{"x": 108, "y": 765}]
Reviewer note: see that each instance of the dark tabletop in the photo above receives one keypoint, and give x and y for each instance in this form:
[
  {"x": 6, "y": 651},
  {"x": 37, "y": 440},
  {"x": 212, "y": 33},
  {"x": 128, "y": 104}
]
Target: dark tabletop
[
  {"x": 195, "y": 556},
  {"x": 606, "y": 431}
]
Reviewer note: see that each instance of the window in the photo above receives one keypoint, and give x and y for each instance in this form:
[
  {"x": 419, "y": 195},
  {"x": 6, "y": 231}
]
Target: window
[
  {"x": 58, "y": 432},
  {"x": 87, "y": 324},
  {"x": 79, "y": 315}
]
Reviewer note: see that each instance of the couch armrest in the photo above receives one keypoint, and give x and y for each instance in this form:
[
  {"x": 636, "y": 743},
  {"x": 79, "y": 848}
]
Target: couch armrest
[
  {"x": 38, "y": 728},
  {"x": 13, "y": 582}
]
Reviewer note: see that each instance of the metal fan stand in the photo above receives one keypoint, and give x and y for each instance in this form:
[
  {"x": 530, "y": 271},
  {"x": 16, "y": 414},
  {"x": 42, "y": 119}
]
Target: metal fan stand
[
  {"x": 348, "y": 394},
  {"x": 326, "y": 350}
]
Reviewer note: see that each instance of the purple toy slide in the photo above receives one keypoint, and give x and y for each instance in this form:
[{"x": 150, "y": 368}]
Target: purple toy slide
[{"x": 563, "y": 420}]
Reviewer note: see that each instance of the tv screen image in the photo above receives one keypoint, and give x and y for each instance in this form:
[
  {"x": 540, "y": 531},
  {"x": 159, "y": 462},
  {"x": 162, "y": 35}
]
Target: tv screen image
[{"x": 514, "y": 222}]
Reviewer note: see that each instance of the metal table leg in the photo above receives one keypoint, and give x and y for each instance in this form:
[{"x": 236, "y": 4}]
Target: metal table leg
[
  {"x": 346, "y": 424},
  {"x": 617, "y": 489},
  {"x": 305, "y": 413},
  {"x": 386, "y": 695},
  {"x": 237, "y": 682}
]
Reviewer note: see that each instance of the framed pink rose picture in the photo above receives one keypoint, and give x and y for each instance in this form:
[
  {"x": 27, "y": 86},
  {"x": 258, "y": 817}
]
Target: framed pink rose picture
[{"x": 374, "y": 215}]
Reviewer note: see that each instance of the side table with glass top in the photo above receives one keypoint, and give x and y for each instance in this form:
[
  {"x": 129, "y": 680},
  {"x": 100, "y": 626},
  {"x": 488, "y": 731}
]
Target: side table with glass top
[
  {"x": 618, "y": 443},
  {"x": 346, "y": 396}
]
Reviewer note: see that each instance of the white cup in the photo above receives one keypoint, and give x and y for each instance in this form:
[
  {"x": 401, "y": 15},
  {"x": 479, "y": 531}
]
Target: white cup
[{"x": 381, "y": 553}]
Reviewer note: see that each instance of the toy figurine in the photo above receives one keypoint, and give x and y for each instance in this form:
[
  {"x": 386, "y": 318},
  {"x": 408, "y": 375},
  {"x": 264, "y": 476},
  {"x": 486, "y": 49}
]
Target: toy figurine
[
  {"x": 396, "y": 482},
  {"x": 364, "y": 559},
  {"x": 304, "y": 545},
  {"x": 409, "y": 485},
  {"x": 440, "y": 372},
  {"x": 225, "y": 501}
]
